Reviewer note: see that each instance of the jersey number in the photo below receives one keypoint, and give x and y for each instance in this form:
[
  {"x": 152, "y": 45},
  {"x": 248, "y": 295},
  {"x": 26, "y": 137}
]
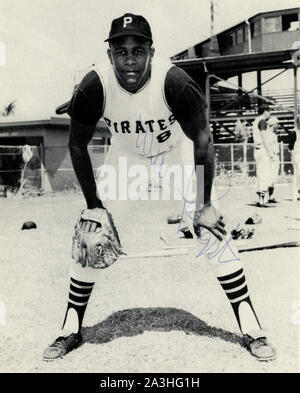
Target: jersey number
[{"x": 163, "y": 136}]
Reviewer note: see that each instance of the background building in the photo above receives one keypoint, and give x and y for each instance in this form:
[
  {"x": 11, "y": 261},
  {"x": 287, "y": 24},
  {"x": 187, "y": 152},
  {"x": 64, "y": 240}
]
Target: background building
[
  {"x": 49, "y": 142},
  {"x": 264, "y": 32},
  {"x": 268, "y": 41}
]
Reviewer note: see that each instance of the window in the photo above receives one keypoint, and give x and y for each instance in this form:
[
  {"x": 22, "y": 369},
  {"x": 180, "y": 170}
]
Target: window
[
  {"x": 233, "y": 38},
  {"x": 182, "y": 56},
  {"x": 290, "y": 22},
  {"x": 240, "y": 36},
  {"x": 272, "y": 24},
  {"x": 256, "y": 29},
  {"x": 245, "y": 33},
  {"x": 198, "y": 50}
]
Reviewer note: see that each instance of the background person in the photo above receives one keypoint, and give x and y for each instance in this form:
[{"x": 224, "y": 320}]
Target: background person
[
  {"x": 262, "y": 153},
  {"x": 294, "y": 147},
  {"x": 273, "y": 125}
]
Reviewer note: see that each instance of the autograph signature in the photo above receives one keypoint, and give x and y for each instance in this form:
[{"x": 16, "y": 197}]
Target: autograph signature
[
  {"x": 213, "y": 247},
  {"x": 147, "y": 151},
  {"x": 206, "y": 238}
]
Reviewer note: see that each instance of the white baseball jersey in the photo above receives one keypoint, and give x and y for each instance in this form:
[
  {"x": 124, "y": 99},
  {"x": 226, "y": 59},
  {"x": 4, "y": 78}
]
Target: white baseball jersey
[
  {"x": 141, "y": 123},
  {"x": 274, "y": 145},
  {"x": 144, "y": 132},
  {"x": 271, "y": 140}
]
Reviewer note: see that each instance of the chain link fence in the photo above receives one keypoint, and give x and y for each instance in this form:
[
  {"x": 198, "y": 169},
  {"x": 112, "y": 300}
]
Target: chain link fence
[
  {"x": 235, "y": 163},
  {"x": 49, "y": 169},
  {"x": 46, "y": 169}
]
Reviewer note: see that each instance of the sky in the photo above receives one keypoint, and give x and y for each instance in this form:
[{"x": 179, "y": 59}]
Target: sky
[{"x": 46, "y": 41}]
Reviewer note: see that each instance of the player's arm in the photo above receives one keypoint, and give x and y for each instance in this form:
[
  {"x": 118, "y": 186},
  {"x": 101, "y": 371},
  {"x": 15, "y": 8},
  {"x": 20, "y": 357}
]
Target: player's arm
[
  {"x": 85, "y": 111},
  {"x": 189, "y": 107},
  {"x": 195, "y": 125}
]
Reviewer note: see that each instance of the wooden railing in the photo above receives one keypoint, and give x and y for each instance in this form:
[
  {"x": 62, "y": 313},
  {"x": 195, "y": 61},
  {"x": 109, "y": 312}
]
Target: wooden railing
[{"x": 279, "y": 101}]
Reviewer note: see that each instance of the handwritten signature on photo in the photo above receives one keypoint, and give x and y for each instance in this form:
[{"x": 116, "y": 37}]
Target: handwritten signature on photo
[{"x": 211, "y": 246}]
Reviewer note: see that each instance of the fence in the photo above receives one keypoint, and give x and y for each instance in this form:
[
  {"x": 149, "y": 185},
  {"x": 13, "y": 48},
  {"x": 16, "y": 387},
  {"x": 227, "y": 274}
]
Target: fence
[
  {"x": 237, "y": 162},
  {"x": 50, "y": 168},
  {"x": 239, "y": 157},
  {"x": 246, "y": 103}
]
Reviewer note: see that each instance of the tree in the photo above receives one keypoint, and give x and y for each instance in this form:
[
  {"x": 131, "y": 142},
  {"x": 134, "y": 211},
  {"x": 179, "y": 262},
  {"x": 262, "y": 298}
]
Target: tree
[{"x": 9, "y": 109}]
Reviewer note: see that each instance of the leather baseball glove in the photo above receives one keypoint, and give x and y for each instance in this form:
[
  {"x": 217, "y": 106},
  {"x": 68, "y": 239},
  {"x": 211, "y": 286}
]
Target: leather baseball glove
[{"x": 96, "y": 241}]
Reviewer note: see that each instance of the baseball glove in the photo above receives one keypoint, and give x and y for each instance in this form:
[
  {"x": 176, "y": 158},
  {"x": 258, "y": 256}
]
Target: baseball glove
[
  {"x": 96, "y": 242},
  {"x": 243, "y": 233}
]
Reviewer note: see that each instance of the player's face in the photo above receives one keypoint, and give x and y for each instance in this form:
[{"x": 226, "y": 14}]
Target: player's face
[{"x": 131, "y": 59}]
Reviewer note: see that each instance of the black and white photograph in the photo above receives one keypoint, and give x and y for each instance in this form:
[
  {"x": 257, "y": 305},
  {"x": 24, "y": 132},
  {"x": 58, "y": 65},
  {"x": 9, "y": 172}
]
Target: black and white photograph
[{"x": 149, "y": 189}]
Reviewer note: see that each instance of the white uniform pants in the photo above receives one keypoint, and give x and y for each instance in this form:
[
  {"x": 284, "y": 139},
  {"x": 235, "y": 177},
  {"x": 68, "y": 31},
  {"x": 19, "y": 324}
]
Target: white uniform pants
[
  {"x": 296, "y": 163},
  {"x": 274, "y": 170},
  {"x": 262, "y": 169}
]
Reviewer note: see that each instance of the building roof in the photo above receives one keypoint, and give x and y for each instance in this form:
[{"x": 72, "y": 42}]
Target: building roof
[
  {"x": 259, "y": 16},
  {"x": 30, "y": 123},
  {"x": 53, "y": 121},
  {"x": 251, "y": 19},
  {"x": 231, "y": 65}
]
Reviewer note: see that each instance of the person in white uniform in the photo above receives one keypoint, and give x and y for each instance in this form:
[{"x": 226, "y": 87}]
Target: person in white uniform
[
  {"x": 262, "y": 153},
  {"x": 294, "y": 147},
  {"x": 157, "y": 117},
  {"x": 273, "y": 124}
]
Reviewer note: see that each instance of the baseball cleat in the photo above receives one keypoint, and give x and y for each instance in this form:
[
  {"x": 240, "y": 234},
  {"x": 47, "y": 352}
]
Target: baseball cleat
[
  {"x": 61, "y": 346},
  {"x": 174, "y": 219},
  {"x": 187, "y": 233},
  {"x": 273, "y": 200},
  {"x": 260, "y": 348},
  {"x": 261, "y": 204}
]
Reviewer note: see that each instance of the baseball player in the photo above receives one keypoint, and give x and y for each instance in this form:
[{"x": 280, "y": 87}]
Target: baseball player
[
  {"x": 157, "y": 115},
  {"x": 294, "y": 147},
  {"x": 273, "y": 124},
  {"x": 262, "y": 153}
]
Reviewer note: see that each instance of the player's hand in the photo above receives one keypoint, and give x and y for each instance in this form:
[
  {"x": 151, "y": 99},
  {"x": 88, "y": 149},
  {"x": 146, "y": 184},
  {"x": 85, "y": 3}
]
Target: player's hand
[
  {"x": 88, "y": 225},
  {"x": 209, "y": 217}
]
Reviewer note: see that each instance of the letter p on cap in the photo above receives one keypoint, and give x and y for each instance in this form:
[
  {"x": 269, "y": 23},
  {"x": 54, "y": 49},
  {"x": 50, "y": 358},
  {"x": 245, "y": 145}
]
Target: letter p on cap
[{"x": 127, "y": 20}]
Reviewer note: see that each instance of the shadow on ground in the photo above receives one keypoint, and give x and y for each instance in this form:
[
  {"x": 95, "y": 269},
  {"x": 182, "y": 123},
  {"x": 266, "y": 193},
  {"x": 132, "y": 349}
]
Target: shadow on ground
[
  {"x": 264, "y": 207},
  {"x": 132, "y": 322}
]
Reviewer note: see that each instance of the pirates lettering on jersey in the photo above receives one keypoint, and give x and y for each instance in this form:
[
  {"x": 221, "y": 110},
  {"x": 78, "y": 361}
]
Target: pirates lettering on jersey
[
  {"x": 130, "y": 115},
  {"x": 127, "y": 127}
]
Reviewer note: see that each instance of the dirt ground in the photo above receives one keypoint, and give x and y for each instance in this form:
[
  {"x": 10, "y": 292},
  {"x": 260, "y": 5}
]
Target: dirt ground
[{"x": 164, "y": 314}]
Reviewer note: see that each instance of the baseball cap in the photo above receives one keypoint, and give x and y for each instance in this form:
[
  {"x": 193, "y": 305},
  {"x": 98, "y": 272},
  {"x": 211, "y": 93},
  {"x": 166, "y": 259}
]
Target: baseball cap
[
  {"x": 273, "y": 121},
  {"x": 130, "y": 24}
]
